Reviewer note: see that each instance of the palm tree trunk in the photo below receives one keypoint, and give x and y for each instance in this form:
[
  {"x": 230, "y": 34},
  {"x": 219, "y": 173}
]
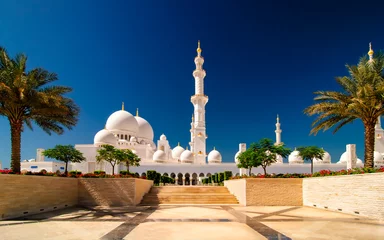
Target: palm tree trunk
[
  {"x": 311, "y": 166},
  {"x": 369, "y": 144},
  {"x": 16, "y": 145}
]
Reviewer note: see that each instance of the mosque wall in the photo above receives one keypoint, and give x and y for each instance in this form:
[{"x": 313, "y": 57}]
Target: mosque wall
[
  {"x": 112, "y": 191},
  {"x": 26, "y": 195},
  {"x": 267, "y": 192},
  {"x": 360, "y": 194}
]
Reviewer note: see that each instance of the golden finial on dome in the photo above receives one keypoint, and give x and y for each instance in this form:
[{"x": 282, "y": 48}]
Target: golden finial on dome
[
  {"x": 178, "y": 144},
  {"x": 370, "y": 49},
  {"x": 122, "y": 106},
  {"x": 137, "y": 112},
  {"x": 214, "y": 148},
  {"x": 198, "y": 47},
  {"x": 186, "y": 148}
]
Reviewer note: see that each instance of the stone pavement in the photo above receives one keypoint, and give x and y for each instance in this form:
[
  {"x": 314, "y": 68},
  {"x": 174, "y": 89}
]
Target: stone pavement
[{"x": 192, "y": 222}]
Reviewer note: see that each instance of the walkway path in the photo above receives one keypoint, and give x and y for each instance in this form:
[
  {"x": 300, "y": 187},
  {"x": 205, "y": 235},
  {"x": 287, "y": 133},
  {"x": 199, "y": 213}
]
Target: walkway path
[{"x": 192, "y": 222}]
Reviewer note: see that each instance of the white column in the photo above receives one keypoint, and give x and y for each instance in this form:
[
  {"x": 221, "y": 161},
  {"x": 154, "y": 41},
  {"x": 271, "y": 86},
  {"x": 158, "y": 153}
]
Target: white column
[{"x": 351, "y": 156}]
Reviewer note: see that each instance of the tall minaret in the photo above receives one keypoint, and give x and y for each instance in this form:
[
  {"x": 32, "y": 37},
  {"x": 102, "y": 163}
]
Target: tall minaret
[
  {"x": 278, "y": 131},
  {"x": 199, "y": 100}
]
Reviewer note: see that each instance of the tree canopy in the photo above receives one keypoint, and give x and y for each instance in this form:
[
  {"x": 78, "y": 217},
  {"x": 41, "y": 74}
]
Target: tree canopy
[
  {"x": 65, "y": 153},
  {"x": 309, "y": 153},
  {"x": 28, "y": 96},
  {"x": 362, "y": 97}
]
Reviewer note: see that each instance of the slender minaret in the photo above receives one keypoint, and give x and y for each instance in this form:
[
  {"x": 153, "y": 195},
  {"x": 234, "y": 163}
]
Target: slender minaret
[
  {"x": 278, "y": 131},
  {"x": 370, "y": 52},
  {"x": 199, "y": 100}
]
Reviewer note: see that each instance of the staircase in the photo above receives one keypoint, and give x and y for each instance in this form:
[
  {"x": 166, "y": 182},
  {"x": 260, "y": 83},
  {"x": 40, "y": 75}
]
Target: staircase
[{"x": 188, "y": 195}]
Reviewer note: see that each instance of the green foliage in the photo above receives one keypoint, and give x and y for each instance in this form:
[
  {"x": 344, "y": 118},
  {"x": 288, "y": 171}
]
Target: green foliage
[
  {"x": 65, "y": 153},
  {"x": 99, "y": 172},
  {"x": 109, "y": 154},
  {"x": 310, "y": 152},
  {"x": 28, "y": 96},
  {"x": 262, "y": 153},
  {"x": 128, "y": 157},
  {"x": 362, "y": 97},
  {"x": 151, "y": 175},
  {"x": 227, "y": 175},
  {"x": 220, "y": 177}
]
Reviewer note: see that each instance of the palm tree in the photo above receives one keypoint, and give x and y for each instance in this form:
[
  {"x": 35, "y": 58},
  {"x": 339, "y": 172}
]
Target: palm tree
[
  {"x": 26, "y": 98},
  {"x": 362, "y": 97}
]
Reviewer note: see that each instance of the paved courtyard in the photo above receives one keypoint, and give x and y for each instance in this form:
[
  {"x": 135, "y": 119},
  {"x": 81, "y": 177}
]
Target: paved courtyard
[{"x": 192, "y": 223}]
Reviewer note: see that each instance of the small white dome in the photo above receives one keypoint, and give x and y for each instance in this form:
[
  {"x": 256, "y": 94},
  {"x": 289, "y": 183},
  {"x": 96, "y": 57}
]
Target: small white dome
[
  {"x": 177, "y": 151},
  {"x": 104, "y": 137},
  {"x": 163, "y": 137},
  {"x": 145, "y": 129},
  {"x": 343, "y": 159},
  {"x": 214, "y": 156},
  {"x": 377, "y": 157},
  {"x": 122, "y": 121},
  {"x": 133, "y": 139},
  {"x": 237, "y": 155},
  {"x": 326, "y": 159},
  {"x": 295, "y": 158},
  {"x": 187, "y": 157},
  {"x": 159, "y": 156}
]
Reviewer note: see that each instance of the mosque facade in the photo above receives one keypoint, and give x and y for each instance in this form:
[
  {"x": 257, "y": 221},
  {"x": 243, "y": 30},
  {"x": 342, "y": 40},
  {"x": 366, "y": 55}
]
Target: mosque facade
[{"x": 188, "y": 166}]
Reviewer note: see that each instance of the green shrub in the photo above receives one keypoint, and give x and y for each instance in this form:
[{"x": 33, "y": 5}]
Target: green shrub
[
  {"x": 221, "y": 177},
  {"x": 99, "y": 172},
  {"x": 151, "y": 175},
  {"x": 227, "y": 175}
]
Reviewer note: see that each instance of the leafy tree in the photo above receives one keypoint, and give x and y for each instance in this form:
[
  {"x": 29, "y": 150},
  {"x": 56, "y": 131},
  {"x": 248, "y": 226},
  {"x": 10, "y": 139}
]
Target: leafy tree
[
  {"x": 25, "y": 97},
  {"x": 109, "y": 154},
  {"x": 310, "y": 152},
  {"x": 128, "y": 157},
  {"x": 249, "y": 159},
  {"x": 65, "y": 153},
  {"x": 269, "y": 152},
  {"x": 362, "y": 97}
]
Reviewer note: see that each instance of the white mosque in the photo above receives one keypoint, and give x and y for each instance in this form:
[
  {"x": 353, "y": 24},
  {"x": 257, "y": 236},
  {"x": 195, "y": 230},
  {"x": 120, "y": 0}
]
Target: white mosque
[{"x": 187, "y": 166}]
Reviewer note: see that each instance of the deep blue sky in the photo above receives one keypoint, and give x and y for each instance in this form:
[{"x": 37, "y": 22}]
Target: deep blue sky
[{"x": 262, "y": 58}]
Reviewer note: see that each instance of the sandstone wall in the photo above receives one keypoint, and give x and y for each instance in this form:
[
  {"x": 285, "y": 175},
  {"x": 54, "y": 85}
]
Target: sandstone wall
[
  {"x": 25, "y": 195},
  {"x": 112, "y": 191},
  {"x": 361, "y": 194},
  {"x": 267, "y": 191}
]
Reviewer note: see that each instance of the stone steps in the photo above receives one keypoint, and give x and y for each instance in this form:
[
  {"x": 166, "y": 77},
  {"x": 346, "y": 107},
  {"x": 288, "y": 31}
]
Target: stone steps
[{"x": 189, "y": 195}]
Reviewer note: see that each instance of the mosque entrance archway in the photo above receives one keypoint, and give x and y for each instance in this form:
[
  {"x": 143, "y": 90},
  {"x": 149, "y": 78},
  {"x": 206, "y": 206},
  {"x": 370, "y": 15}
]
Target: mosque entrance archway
[
  {"x": 180, "y": 179},
  {"x": 194, "y": 179},
  {"x": 187, "y": 179}
]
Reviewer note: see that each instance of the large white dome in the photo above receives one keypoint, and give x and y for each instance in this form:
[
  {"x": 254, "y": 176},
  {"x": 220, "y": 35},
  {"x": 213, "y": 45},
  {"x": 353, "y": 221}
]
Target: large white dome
[
  {"x": 145, "y": 129},
  {"x": 326, "y": 159},
  {"x": 214, "y": 156},
  {"x": 187, "y": 157},
  {"x": 104, "y": 137},
  {"x": 177, "y": 151},
  {"x": 236, "y": 157},
  {"x": 122, "y": 121},
  {"x": 159, "y": 156},
  {"x": 343, "y": 159},
  {"x": 295, "y": 158}
]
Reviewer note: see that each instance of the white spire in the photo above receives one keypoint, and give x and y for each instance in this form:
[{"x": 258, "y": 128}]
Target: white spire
[
  {"x": 378, "y": 123},
  {"x": 278, "y": 131}
]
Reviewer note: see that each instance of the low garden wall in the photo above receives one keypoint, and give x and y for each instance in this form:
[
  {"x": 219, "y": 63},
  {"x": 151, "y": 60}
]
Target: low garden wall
[
  {"x": 22, "y": 195},
  {"x": 361, "y": 194},
  {"x": 267, "y": 191},
  {"x": 112, "y": 191},
  {"x": 26, "y": 195}
]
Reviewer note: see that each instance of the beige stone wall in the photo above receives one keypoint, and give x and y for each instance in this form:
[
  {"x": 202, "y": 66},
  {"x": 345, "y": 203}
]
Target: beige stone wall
[
  {"x": 274, "y": 192},
  {"x": 142, "y": 188},
  {"x": 361, "y": 194},
  {"x": 25, "y": 195},
  {"x": 112, "y": 191},
  {"x": 267, "y": 191},
  {"x": 238, "y": 188}
]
